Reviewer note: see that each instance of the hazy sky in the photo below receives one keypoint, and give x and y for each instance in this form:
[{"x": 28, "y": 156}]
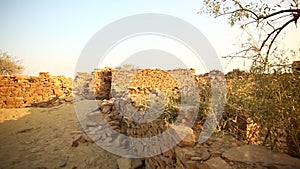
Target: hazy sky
[{"x": 49, "y": 35}]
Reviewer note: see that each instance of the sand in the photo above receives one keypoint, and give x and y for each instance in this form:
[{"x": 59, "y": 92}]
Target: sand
[{"x": 42, "y": 138}]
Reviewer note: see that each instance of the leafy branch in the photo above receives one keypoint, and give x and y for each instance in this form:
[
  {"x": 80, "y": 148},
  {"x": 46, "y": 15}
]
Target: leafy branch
[{"x": 272, "y": 19}]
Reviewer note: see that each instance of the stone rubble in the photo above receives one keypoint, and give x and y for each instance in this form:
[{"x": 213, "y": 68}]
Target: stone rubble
[
  {"x": 217, "y": 152},
  {"x": 17, "y": 91}
]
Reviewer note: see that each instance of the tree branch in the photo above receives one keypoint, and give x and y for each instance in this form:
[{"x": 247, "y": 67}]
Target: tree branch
[
  {"x": 279, "y": 30},
  {"x": 279, "y": 12},
  {"x": 240, "y": 10}
]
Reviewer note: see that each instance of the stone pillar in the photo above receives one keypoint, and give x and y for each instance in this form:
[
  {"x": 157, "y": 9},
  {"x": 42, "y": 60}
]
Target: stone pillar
[{"x": 102, "y": 83}]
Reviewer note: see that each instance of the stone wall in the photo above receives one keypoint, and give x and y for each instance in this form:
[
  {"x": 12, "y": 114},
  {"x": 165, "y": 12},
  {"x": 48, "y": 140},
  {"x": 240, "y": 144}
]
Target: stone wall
[
  {"x": 106, "y": 83},
  {"x": 95, "y": 85},
  {"x": 18, "y": 91}
]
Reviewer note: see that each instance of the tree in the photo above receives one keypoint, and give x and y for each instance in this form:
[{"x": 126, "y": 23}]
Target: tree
[
  {"x": 270, "y": 18},
  {"x": 272, "y": 100},
  {"x": 9, "y": 64}
]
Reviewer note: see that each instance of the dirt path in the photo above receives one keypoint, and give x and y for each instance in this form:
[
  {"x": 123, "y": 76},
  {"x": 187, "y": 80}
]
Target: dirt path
[{"x": 42, "y": 138}]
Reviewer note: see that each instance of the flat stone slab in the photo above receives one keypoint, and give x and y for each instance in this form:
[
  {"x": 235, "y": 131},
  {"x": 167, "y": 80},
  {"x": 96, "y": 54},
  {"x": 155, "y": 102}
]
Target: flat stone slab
[
  {"x": 218, "y": 163},
  {"x": 251, "y": 154}
]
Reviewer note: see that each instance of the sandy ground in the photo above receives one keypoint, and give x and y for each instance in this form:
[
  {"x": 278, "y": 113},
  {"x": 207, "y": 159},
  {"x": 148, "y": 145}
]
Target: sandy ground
[{"x": 42, "y": 138}]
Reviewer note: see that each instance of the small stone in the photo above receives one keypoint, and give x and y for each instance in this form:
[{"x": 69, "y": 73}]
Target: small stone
[
  {"x": 217, "y": 163},
  {"x": 124, "y": 163},
  {"x": 185, "y": 135},
  {"x": 64, "y": 162},
  {"x": 204, "y": 154},
  {"x": 69, "y": 99},
  {"x": 196, "y": 158},
  {"x": 128, "y": 163},
  {"x": 209, "y": 143},
  {"x": 78, "y": 139}
]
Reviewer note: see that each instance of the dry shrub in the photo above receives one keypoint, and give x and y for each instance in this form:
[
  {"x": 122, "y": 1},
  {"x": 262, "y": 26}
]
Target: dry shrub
[
  {"x": 264, "y": 109},
  {"x": 277, "y": 109}
]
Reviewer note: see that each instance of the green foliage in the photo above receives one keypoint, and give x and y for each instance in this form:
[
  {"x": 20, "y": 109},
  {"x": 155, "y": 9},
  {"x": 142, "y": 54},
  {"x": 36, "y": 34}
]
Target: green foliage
[{"x": 9, "y": 65}]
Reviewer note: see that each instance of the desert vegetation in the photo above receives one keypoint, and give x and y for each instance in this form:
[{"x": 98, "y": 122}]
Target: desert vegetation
[
  {"x": 268, "y": 96},
  {"x": 9, "y": 64}
]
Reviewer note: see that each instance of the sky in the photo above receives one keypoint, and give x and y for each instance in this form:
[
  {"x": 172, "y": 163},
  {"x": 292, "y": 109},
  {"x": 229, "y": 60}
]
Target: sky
[{"x": 50, "y": 35}]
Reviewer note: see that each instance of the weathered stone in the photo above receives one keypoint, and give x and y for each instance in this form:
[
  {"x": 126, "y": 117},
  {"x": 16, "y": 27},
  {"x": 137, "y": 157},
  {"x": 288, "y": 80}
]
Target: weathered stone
[
  {"x": 64, "y": 162},
  {"x": 192, "y": 153},
  {"x": 128, "y": 163},
  {"x": 185, "y": 134},
  {"x": 196, "y": 165},
  {"x": 217, "y": 163},
  {"x": 204, "y": 154},
  {"x": 257, "y": 154},
  {"x": 196, "y": 159}
]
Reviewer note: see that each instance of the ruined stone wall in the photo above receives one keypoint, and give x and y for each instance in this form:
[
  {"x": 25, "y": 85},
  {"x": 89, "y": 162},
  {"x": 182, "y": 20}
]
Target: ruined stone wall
[
  {"x": 132, "y": 86},
  {"x": 106, "y": 83},
  {"x": 141, "y": 83},
  {"x": 82, "y": 82},
  {"x": 22, "y": 91},
  {"x": 95, "y": 85}
]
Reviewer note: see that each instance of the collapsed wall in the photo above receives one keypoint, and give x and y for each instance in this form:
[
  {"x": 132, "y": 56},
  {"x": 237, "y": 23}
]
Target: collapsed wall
[
  {"x": 18, "y": 91},
  {"x": 129, "y": 88},
  {"x": 170, "y": 86}
]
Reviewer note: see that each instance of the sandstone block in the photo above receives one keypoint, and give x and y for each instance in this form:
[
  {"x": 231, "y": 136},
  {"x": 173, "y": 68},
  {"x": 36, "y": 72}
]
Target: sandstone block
[{"x": 127, "y": 163}]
